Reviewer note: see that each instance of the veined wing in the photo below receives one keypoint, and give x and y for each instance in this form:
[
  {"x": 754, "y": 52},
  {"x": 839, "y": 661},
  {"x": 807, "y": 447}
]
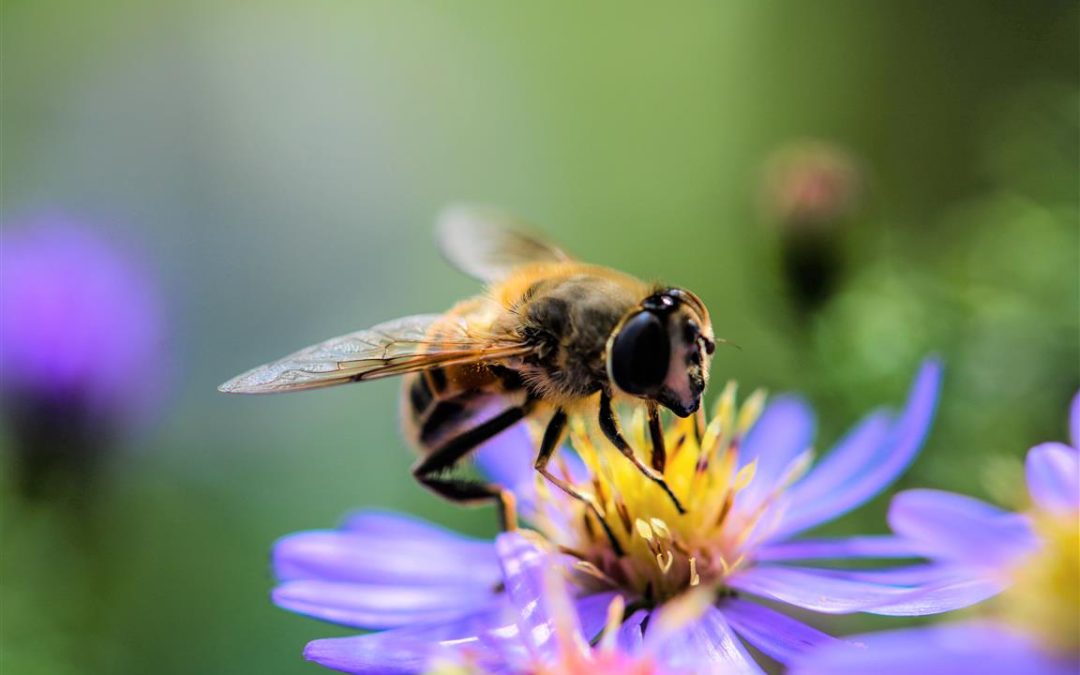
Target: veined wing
[
  {"x": 392, "y": 348},
  {"x": 488, "y": 244}
]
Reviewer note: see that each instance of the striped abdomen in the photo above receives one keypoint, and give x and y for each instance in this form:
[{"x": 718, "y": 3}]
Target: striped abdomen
[{"x": 440, "y": 403}]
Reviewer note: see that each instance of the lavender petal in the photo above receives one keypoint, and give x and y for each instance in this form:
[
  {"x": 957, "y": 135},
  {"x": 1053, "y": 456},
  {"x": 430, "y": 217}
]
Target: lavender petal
[
  {"x": 872, "y": 546},
  {"x": 777, "y": 635},
  {"x": 523, "y": 573},
  {"x": 379, "y": 605},
  {"x": 955, "y": 527},
  {"x": 630, "y": 639},
  {"x": 968, "y": 647},
  {"x": 1074, "y": 421},
  {"x": 408, "y": 560},
  {"x": 844, "y": 592},
  {"x": 1053, "y": 477},
  {"x": 866, "y": 461},
  {"x": 405, "y": 650},
  {"x": 784, "y": 431},
  {"x": 706, "y": 645}
]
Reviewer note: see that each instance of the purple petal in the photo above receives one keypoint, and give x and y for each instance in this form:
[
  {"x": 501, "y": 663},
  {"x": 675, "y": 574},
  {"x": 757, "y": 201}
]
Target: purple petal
[
  {"x": 405, "y": 650},
  {"x": 592, "y": 613},
  {"x": 417, "y": 561},
  {"x": 379, "y": 605},
  {"x": 836, "y": 592},
  {"x": 812, "y": 590},
  {"x": 948, "y": 526},
  {"x": 866, "y": 461},
  {"x": 391, "y": 526},
  {"x": 507, "y": 459},
  {"x": 537, "y": 604},
  {"x": 810, "y": 495},
  {"x": 946, "y": 597},
  {"x": 784, "y": 431},
  {"x": 706, "y": 645},
  {"x": 1053, "y": 477},
  {"x": 935, "y": 650},
  {"x": 1074, "y": 421},
  {"x": 881, "y": 546},
  {"x": 777, "y": 635},
  {"x": 630, "y": 639},
  {"x": 907, "y": 576},
  {"x": 523, "y": 567}
]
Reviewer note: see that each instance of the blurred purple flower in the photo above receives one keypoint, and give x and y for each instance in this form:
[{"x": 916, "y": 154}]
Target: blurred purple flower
[
  {"x": 1033, "y": 627},
  {"x": 426, "y": 585},
  {"x": 81, "y": 338}
]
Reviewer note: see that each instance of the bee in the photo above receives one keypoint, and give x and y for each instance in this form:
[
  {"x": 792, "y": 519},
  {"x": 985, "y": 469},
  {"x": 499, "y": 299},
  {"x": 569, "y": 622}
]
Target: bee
[{"x": 548, "y": 337}]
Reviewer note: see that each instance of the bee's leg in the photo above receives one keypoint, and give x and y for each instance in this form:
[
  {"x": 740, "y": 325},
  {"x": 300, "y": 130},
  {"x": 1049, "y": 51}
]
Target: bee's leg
[
  {"x": 610, "y": 426},
  {"x": 656, "y": 432},
  {"x": 553, "y": 438},
  {"x": 430, "y": 471}
]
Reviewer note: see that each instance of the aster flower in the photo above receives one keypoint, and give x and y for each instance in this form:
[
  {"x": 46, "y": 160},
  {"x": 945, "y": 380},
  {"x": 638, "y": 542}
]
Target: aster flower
[
  {"x": 1034, "y": 625},
  {"x": 81, "y": 349},
  {"x": 748, "y": 477}
]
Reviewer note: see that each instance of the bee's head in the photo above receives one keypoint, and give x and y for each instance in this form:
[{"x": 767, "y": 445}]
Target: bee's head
[{"x": 660, "y": 351}]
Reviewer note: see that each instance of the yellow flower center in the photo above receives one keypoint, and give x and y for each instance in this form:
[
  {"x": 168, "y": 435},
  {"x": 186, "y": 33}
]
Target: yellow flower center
[
  {"x": 639, "y": 542},
  {"x": 1044, "y": 599}
]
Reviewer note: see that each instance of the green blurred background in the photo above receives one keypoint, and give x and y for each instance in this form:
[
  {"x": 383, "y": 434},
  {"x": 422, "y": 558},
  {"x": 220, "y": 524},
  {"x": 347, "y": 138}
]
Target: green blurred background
[{"x": 282, "y": 163}]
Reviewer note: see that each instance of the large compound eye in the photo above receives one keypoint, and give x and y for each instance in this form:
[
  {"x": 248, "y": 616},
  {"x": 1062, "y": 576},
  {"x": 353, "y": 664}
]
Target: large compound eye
[{"x": 640, "y": 354}]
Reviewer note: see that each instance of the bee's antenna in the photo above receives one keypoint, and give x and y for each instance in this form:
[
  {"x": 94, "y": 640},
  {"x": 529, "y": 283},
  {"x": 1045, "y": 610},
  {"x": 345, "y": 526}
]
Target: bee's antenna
[{"x": 728, "y": 343}]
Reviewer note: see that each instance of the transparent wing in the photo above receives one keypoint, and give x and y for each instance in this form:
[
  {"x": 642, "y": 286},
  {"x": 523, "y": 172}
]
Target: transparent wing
[
  {"x": 392, "y": 348},
  {"x": 488, "y": 244}
]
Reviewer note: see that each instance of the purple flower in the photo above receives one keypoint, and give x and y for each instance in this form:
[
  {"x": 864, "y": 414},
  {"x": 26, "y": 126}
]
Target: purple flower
[
  {"x": 1034, "y": 625},
  {"x": 749, "y": 480},
  {"x": 81, "y": 333}
]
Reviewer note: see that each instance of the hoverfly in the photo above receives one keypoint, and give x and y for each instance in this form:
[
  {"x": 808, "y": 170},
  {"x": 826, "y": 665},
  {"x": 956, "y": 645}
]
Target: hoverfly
[{"x": 547, "y": 336}]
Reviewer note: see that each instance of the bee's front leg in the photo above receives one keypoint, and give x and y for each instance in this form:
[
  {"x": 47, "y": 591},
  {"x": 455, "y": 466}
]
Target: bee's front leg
[
  {"x": 553, "y": 438},
  {"x": 610, "y": 426},
  {"x": 656, "y": 433}
]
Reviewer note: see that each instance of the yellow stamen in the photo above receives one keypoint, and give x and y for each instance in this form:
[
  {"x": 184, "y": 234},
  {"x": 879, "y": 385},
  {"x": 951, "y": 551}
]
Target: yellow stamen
[
  {"x": 660, "y": 552},
  {"x": 615, "y": 613},
  {"x": 643, "y": 530},
  {"x": 1044, "y": 599},
  {"x": 750, "y": 412},
  {"x": 745, "y": 475}
]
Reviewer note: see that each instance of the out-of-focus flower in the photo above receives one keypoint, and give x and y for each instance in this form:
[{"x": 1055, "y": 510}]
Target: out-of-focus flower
[
  {"x": 810, "y": 184},
  {"x": 748, "y": 478},
  {"x": 546, "y": 637},
  {"x": 808, "y": 190},
  {"x": 1034, "y": 625},
  {"x": 81, "y": 345}
]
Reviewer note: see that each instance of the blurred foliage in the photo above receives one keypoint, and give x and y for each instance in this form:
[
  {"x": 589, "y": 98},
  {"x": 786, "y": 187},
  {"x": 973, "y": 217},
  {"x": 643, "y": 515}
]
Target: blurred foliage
[{"x": 281, "y": 165}]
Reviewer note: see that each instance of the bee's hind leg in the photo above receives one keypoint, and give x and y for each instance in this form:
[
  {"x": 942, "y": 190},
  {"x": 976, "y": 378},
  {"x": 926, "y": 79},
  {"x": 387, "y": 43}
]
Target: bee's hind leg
[
  {"x": 610, "y": 426},
  {"x": 553, "y": 438},
  {"x": 431, "y": 470}
]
